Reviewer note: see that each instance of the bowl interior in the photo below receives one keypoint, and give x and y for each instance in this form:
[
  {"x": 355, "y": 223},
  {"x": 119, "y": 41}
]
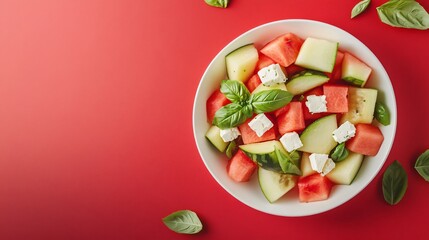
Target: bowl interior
[{"x": 250, "y": 193}]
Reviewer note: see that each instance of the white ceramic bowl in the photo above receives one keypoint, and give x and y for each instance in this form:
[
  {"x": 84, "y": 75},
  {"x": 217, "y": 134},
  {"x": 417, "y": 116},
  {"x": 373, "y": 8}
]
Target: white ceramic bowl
[{"x": 249, "y": 193}]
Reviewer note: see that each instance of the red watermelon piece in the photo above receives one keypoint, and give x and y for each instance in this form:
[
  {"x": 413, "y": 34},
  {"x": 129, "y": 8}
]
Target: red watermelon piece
[
  {"x": 336, "y": 98},
  {"x": 283, "y": 49},
  {"x": 335, "y": 76},
  {"x": 214, "y": 103},
  {"x": 263, "y": 61},
  {"x": 240, "y": 167},
  {"x": 294, "y": 69},
  {"x": 292, "y": 119},
  {"x": 367, "y": 140},
  {"x": 314, "y": 187},
  {"x": 253, "y": 82}
]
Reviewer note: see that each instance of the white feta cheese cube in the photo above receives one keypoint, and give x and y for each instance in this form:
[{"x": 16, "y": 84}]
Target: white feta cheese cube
[
  {"x": 317, "y": 161},
  {"x": 271, "y": 75},
  {"x": 316, "y": 104},
  {"x": 260, "y": 124},
  {"x": 346, "y": 131},
  {"x": 329, "y": 166},
  {"x": 229, "y": 134},
  {"x": 291, "y": 141}
]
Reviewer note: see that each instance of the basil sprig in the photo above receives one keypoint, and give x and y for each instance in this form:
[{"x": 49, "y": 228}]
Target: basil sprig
[
  {"x": 360, "y": 7},
  {"x": 339, "y": 153},
  {"x": 183, "y": 221},
  {"x": 382, "y": 113},
  {"x": 395, "y": 182},
  {"x": 243, "y": 104},
  {"x": 422, "y": 165},
  {"x": 404, "y": 13},
  {"x": 217, "y": 3}
]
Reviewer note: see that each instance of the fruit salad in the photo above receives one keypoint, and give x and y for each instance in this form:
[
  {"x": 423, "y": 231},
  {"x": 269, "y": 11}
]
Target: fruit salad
[{"x": 296, "y": 113}]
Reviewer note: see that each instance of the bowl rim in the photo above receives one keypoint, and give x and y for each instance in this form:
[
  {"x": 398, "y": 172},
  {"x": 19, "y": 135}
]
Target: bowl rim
[{"x": 393, "y": 111}]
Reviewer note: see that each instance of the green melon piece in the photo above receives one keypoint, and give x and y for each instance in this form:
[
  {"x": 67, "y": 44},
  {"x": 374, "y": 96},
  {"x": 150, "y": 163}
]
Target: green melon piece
[
  {"x": 274, "y": 185},
  {"x": 317, "y": 137},
  {"x": 346, "y": 170},
  {"x": 241, "y": 63},
  {"x": 305, "y": 81},
  {"x": 213, "y": 135},
  {"x": 361, "y": 105},
  {"x": 317, "y": 54}
]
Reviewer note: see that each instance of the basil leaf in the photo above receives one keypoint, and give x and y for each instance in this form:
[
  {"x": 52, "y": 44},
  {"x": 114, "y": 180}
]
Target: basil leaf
[
  {"x": 288, "y": 162},
  {"x": 231, "y": 149},
  {"x": 404, "y": 13},
  {"x": 295, "y": 157},
  {"x": 183, "y": 221},
  {"x": 360, "y": 7},
  {"x": 270, "y": 100},
  {"x": 382, "y": 114},
  {"x": 339, "y": 153},
  {"x": 395, "y": 182},
  {"x": 422, "y": 165},
  {"x": 217, "y": 3},
  {"x": 232, "y": 115},
  {"x": 235, "y": 91}
]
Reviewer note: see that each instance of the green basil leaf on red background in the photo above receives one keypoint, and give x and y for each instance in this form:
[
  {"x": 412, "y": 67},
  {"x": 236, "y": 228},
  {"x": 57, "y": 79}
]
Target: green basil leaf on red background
[
  {"x": 422, "y": 165},
  {"x": 183, "y": 221},
  {"x": 217, "y": 3},
  {"x": 395, "y": 183},
  {"x": 404, "y": 13},
  {"x": 360, "y": 7}
]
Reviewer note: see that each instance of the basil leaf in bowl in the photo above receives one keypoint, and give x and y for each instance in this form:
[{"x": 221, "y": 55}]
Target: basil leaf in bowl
[{"x": 270, "y": 100}]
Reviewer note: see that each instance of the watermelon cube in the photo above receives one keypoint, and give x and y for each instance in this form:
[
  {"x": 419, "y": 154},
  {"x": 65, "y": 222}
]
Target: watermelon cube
[
  {"x": 253, "y": 82},
  {"x": 263, "y": 61},
  {"x": 283, "y": 49},
  {"x": 291, "y": 119},
  {"x": 336, "y": 98},
  {"x": 335, "y": 76},
  {"x": 240, "y": 167},
  {"x": 214, "y": 103},
  {"x": 293, "y": 69},
  {"x": 367, "y": 140},
  {"x": 314, "y": 187}
]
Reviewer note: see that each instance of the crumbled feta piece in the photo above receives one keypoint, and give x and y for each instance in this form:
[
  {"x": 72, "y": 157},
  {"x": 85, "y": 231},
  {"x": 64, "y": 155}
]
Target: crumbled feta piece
[
  {"x": 260, "y": 124},
  {"x": 271, "y": 75},
  {"x": 318, "y": 161},
  {"x": 229, "y": 134},
  {"x": 291, "y": 141},
  {"x": 329, "y": 165},
  {"x": 346, "y": 131},
  {"x": 316, "y": 104}
]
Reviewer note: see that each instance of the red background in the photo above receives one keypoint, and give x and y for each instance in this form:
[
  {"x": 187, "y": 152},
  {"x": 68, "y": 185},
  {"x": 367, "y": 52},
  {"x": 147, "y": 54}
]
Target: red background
[{"x": 95, "y": 120}]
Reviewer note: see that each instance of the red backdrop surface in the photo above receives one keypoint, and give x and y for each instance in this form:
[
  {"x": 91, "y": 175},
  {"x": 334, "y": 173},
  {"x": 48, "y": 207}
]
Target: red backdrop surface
[{"x": 96, "y": 135}]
